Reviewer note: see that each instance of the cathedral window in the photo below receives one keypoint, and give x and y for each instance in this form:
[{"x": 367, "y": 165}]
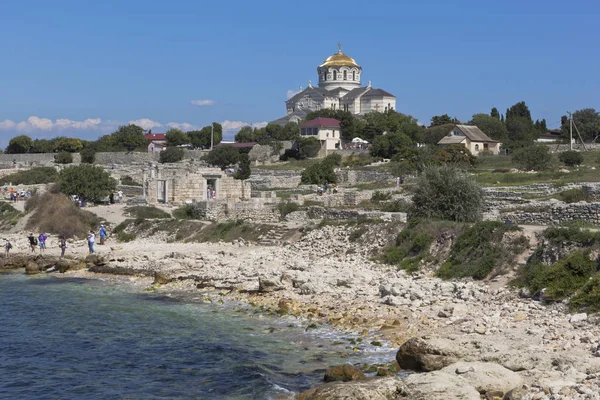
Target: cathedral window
[
  {"x": 353, "y": 75},
  {"x": 345, "y": 75},
  {"x": 325, "y": 76},
  {"x": 334, "y": 75}
]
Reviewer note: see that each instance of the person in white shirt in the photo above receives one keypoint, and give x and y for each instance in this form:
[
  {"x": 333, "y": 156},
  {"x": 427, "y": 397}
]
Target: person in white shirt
[
  {"x": 120, "y": 194},
  {"x": 91, "y": 238}
]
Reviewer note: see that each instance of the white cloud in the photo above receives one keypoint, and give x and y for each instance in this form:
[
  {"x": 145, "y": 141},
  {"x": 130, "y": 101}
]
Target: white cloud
[
  {"x": 184, "y": 126},
  {"x": 146, "y": 123},
  {"x": 235, "y": 126},
  {"x": 291, "y": 93},
  {"x": 7, "y": 124},
  {"x": 37, "y": 124},
  {"x": 203, "y": 103}
]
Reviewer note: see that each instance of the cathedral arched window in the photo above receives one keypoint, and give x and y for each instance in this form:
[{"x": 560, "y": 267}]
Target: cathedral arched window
[
  {"x": 353, "y": 75},
  {"x": 324, "y": 76},
  {"x": 345, "y": 75},
  {"x": 334, "y": 75}
]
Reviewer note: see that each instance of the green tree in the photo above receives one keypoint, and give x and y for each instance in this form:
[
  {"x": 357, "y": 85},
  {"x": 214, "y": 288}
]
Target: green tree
[
  {"x": 540, "y": 126},
  {"x": 587, "y": 121},
  {"x": 129, "y": 137},
  {"x": 176, "y": 137},
  {"x": 223, "y": 156},
  {"x": 86, "y": 181},
  {"x": 42, "y": 146},
  {"x": 321, "y": 172},
  {"x": 435, "y": 134},
  {"x": 308, "y": 147},
  {"x": 71, "y": 145},
  {"x": 202, "y": 138},
  {"x": 571, "y": 158},
  {"x": 494, "y": 114},
  {"x": 533, "y": 158},
  {"x": 521, "y": 131},
  {"x": 455, "y": 154},
  {"x": 245, "y": 135},
  {"x": 244, "y": 170},
  {"x": 19, "y": 144},
  {"x": 444, "y": 192},
  {"x": 491, "y": 126},
  {"x": 64, "y": 157},
  {"x": 171, "y": 155},
  {"x": 387, "y": 146},
  {"x": 438, "y": 120},
  {"x": 88, "y": 155}
]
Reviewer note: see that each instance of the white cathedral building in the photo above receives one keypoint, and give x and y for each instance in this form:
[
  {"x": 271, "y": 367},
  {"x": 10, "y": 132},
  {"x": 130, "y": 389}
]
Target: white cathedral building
[{"x": 339, "y": 89}]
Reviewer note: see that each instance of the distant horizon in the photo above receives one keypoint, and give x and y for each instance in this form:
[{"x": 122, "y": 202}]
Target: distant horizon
[{"x": 82, "y": 70}]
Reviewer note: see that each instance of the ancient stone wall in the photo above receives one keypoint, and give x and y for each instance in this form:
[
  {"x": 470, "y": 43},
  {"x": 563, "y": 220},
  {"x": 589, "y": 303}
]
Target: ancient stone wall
[
  {"x": 588, "y": 212},
  {"x": 253, "y": 210},
  {"x": 263, "y": 179},
  {"x": 316, "y": 212},
  {"x": 356, "y": 177}
]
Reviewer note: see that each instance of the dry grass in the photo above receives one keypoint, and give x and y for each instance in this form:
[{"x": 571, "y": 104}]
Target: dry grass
[{"x": 57, "y": 214}]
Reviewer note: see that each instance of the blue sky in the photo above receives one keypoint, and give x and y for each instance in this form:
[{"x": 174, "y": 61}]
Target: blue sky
[{"x": 82, "y": 68}]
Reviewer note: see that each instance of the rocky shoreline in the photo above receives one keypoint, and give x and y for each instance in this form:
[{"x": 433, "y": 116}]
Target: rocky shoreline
[{"x": 469, "y": 339}]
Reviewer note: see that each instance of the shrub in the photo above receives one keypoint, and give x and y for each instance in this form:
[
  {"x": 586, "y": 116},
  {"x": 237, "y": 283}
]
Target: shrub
[
  {"x": 223, "y": 156},
  {"x": 588, "y": 297},
  {"x": 244, "y": 170},
  {"x": 573, "y": 196},
  {"x": 32, "y": 176},
  {"x": 128, "y": 181},
  {"x": 57, "y": 214},
  {"x": 481, "y": 250},
  {"x": 455, "y": 154},
  {"x": 308, "y": 147},
  {"x": 571, "y": 234},
  {"x": 381, "y": 196},
  {"x": 171, "y": 155},
  {"x": 64, "y": 157},
  {"x": 146, "y": 212},
  {"x": 396, "y": 206},
  {"x": 320, "y": 173},
  {"x": 561, "y": 279},
  {"x": 532, "y": 158},
  {"x": 87, "y": 181},
  {"x": 571, "y": 158},
  {"x": 447, "y": 193},
  {"x": 88, "y": 155},
  {"x": 287, "y": 207},
  {"x": 187, "y": 211}
]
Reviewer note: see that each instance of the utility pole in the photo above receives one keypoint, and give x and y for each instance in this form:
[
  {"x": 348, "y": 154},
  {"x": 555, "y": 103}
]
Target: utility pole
[
  {"x": 570, "y": 131},
  {"x": 212, "y": 132}
]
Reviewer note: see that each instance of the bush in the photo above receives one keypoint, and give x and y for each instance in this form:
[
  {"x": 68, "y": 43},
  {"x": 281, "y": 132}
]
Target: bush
[
  {"x": 57, "y": 214},
  {"x": 381, "y": 196},
  {"x": 64, "y": 157},
  {"x": 562, "y": 279},
  {"x": 146, "y": 212},
  {"x": 571, "y": 158},
  {"x": 308, "y": 147},
  {"x": 223, "y": 156},
  {"x": 171, "y": 155},
  {"x": 287, "y": 207},
  {"x": 321, "y": 172},
  {"x": 588, "y": 297},
  {"x": 532, "y": 158},
  {"x": 187, "y": 211},
  {"x": 244, "y": 170},
  {"x": 573, "y": 196},
  {"x": 128, "y": 181},
  {"x": 572, "y": 234},
  {"x": 88, "y": 155},
  {"x": 86, "y": 181},
  {"x": 32, "y": 176},
  {"x": 482, "y": 250},
  {"x": 396, "y": 206},
  {"x": 447, "y": 193}
]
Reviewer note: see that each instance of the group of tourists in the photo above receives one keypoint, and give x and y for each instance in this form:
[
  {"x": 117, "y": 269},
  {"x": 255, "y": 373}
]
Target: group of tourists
[
  {"x": 16, "y": 195},
  {"x": 328, "y": 188},
  {"x": 39, "y": 241},
  {"x": 211, "y": 193},
  {"x": 115, "y": 197}
]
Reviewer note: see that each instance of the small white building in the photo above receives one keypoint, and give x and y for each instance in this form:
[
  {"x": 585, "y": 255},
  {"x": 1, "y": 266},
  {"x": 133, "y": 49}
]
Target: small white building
[
  {"x": 158, "y": 142},
  {"x": 325, "y": 130},
  {"x": 472, "y": 138}
]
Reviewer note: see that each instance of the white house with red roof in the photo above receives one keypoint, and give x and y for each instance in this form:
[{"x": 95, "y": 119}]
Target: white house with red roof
[
  {"x": 158, "y": 142},
  {"x": 325, "y": 130}
]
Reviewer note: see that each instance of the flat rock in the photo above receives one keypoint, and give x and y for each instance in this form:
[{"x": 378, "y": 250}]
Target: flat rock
[
  {"x": 420, "y": 354},
  {"x": 486, "y": 377}
]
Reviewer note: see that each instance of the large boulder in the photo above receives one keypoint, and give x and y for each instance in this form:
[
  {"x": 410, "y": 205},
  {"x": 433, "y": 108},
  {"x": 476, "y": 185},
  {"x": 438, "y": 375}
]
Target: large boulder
[
  {"x": 428, "y": 354},
  {"x": 95, "y": 260},
  {"x": 344, "y": 373},
  {"x": 486, "y": 377},
  {"x": 266, "y": 285},
  {"x": 368, "y": 389},
  {"x": 32, "y": 268},
  {"x": 437, "y": 385}
]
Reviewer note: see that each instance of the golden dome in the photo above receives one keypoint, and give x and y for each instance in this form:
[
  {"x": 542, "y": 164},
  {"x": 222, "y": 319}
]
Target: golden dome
[{"x": 339, "y": 60}]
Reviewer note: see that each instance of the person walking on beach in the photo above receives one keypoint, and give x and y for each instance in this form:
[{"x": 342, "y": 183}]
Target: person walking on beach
[
  {"x": 62, "y": 243},
  {"x": 32, "y": 242},
  {"x": 7, "y": 247},
  {"x": 102, "y": 234},
  {"x": 91, "y": 238},
  {"x": 120, "y": 195},
  {"x": 42, "y": 239}
]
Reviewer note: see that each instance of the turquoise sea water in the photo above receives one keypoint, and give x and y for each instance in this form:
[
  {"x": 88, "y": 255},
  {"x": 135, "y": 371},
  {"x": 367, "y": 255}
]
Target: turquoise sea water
[{"x": 88, "y": 339}]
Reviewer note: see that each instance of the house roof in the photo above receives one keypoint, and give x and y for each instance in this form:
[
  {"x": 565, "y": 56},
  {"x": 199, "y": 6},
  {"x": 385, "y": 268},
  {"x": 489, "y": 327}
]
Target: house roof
[
  {"x": 321, "y": 122},
  {"x": 452, "y": 140},
  {"x": 474, "y": 133},
  {"x": 155, "y": 136}
]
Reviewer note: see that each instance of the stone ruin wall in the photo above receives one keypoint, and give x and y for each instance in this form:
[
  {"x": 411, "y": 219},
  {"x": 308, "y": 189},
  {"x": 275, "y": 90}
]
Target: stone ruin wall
[
  {"x": 588, "y": 212},
  {"x": 265, "y": 179},
  {"x": 254, "y": 210}
]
